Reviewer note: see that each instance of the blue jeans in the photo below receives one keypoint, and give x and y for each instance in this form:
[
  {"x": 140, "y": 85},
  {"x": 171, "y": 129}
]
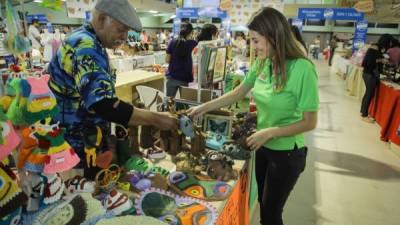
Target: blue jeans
[{"x": 173, "y": 86}]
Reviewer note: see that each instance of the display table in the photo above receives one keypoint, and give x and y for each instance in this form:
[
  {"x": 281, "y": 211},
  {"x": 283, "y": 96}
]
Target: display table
[
  {"x": 354, "y": 82},
  {"x": 127, "y": 81},
  {"x": 123, "y": 64},
  {"x": 385, "y": 108},
  {"x": 339, "y": 65}
]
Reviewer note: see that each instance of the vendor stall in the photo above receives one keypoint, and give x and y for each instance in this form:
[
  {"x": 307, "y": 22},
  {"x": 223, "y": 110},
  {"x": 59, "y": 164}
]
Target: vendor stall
[{"x": 385, "y": 108}]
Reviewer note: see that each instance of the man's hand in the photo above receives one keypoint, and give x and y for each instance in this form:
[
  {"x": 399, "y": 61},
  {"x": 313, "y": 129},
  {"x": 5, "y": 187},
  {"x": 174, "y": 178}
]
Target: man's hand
[{"x": 165, "y": 121}]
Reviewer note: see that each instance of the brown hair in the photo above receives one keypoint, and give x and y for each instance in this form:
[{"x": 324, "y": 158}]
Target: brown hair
[{"x": 271, "y": 24}]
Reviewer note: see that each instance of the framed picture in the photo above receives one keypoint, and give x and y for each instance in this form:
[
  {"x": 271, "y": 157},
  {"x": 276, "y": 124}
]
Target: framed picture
[
  {"x": 220, "y": 65},
  {"x": 218, "y": 124},
  {"x": 182, "y": 104}
]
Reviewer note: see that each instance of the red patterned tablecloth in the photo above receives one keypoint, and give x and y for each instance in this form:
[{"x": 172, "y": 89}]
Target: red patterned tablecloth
[{"x": 385, "y": 108}]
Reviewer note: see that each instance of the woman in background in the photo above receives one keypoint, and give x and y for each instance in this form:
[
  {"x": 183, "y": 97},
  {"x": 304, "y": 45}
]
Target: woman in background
[{"x": 179, "y": 57}]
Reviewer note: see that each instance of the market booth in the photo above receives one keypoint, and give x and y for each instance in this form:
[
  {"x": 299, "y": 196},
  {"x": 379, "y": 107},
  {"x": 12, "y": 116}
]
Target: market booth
[{"x": 201, "y": 174}]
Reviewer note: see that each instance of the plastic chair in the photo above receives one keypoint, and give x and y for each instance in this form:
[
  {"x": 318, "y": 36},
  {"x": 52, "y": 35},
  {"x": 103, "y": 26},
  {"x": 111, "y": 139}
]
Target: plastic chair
[{"x": 148, "y": 96}]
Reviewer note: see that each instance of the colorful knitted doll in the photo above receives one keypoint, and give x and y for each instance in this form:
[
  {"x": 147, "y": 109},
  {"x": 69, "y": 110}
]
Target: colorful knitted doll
[
  {"x": 11, "y": 196},
  {"x": 40, "y": 101},
  {"x": 60, "y": 155},
  {"x": 14, "y": 112},
  {"x": 9, "y": 139}
]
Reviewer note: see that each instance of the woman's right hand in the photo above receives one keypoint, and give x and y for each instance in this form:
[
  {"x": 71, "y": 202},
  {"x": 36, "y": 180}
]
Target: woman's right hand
[{"x": 197, "y": 111}]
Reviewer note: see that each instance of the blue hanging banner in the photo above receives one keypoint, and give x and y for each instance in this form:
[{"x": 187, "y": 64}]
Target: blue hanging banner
[
  {"x": 42, "y": 18},
  {"x": 330, "y": 14},
  {"x": 298, "y": 23},
  {"x": 210, "y": 12},
  {"x": 360, "y": 35},
  {"x": 187, "y": 12}
]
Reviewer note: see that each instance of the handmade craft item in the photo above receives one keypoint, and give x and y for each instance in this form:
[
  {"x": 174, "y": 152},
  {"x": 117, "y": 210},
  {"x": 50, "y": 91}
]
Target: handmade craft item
[
  {"x": 79, "y": 184},
  {"x": 14, "y": 41},
  {"x": 53, "y": 188},
  {"x": 235, "y": 151},
  {"x": 215, "y": 141},
  {"x": 11, "y": 196},
  {"x": 60, "y": 155},
  {"x": 131, "y": 220},
  {"x": 198, "y": 186},
  {"x": 40, "y": 101},
  {"x": 219, "y": 166},
  {"x": 117, "y": 202},
  {"x": 137, "y": 164},
  {"x": 77, "y": 209},
  {"x": 9, "y": 139},
  {"x": 187, "y": 162},
  {"x": 198, "y": 142},
  {"x": 143, "y": 180},
  {"x": 174, "y": 209},
  {"x": 92, "y": 141}
]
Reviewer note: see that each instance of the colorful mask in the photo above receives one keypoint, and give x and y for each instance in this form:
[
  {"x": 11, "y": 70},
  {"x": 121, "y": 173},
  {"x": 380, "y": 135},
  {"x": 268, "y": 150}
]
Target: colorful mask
[
  {"x": 9, "y": 139},
  {"x": 143, "y": 180},
  {"x": 220, "y": 166},
  {"x": 186, "y": 126},
  {"x": 200, "y": 187},
  {"x": 236, "y": 152},
  {"x": 175, "y": 210},
  {"x": 137, "y": 164},
  {"x": 11, "y": 196}
]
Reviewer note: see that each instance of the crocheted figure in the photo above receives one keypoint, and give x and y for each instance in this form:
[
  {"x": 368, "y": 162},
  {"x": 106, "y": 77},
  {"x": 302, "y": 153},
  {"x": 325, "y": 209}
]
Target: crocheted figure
[
  {"x": 117, "y": 202},
  {"x": 198, "y": 186},
  {"x": 9, "y": 139},
  {"x": 60, "y": 155},
  {"x": 41, "y": 102},
  {"x": 11, "y": 196},
  {"x": 92, "y": 142},
  {"x": 175, "y": 209},
  {"x": 14, "y": 112}
]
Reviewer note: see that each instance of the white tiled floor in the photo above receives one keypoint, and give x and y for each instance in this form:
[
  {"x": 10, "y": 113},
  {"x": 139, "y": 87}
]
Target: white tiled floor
[{"x": 352, "y": 178}]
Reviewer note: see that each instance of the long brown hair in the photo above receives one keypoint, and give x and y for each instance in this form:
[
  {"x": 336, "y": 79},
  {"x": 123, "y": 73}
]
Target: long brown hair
[{"x": 271, "y": 24}]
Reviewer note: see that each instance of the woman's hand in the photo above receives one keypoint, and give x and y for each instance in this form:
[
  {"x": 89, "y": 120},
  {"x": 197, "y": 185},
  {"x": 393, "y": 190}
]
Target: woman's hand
[
  {"x": 258, "y": 139},
  {"x": 197, "y": 111}
]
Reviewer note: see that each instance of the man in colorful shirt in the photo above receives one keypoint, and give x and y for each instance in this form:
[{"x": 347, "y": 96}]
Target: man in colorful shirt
[{"x": 84, "y": 83}]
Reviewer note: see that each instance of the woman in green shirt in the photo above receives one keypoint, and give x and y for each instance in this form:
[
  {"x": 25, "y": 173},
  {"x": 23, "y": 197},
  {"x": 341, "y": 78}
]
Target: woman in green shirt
[{"x": 285, "y": 90}]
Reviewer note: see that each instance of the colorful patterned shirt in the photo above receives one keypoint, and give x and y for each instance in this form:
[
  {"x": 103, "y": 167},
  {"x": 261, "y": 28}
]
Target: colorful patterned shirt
[{"x": 81, "y": 76}]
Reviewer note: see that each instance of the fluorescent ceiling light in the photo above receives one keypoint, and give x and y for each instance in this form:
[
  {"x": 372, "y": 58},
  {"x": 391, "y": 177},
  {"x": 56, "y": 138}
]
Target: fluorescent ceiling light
[
  {"x": 173, "y": 16},
  {"x": 38, "y": 1},
  {"x": 152, "y": 11}
]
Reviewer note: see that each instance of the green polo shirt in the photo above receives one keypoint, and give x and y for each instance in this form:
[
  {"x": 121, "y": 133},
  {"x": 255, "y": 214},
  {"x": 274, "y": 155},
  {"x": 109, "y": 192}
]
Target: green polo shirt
[{"x": 284, "y": 107}]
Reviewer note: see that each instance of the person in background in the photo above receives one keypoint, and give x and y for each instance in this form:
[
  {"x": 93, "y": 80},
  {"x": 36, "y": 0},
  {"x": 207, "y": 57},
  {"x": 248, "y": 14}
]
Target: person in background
[
  {"x": 394, "y": 53},
  {"x": 179, "y": 57},
  {"x": 144, "y": 38},
  {"x": 372, "y": 64},
  {"x": 34, "y": 34},
  {"x": 239, "y": 44},
  {"x": 84, "y": 82},
  {"x": 208, "y": 32},
  {"x": 299, "y": 38},
  {"x": 316, "y": 46},
  {"x": 284, "y": 84},
  {"x": 332, "y": 47}
]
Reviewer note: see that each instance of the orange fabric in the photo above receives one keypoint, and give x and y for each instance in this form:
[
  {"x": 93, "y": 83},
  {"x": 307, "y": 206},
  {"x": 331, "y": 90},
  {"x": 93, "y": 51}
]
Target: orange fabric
[
  {"x": 28, "y": 145},
  {"x": 385, "y": 108}
]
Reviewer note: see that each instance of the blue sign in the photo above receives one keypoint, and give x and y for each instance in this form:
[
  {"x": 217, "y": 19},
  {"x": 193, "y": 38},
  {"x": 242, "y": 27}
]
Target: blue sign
[
  {"x": 40, "y": 17},
  {"x": 330, "y": 13},
  {"x": 311, "y": 13},
  {"x": 298, "y": 23},
  {"x": 211, "y": 12},
  {"x": 347, "y": 14},
  {"x": 360, "y": 35},
  {"x": 187, "y": 12}
]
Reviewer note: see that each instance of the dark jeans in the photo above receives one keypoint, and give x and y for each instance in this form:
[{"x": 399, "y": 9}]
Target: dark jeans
[
  {"x": 277, "y": 173},
  {"x": 371, "y": 82},
  {"x": 173, "y": 86},
  {"x": 332, "y": 52}
]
